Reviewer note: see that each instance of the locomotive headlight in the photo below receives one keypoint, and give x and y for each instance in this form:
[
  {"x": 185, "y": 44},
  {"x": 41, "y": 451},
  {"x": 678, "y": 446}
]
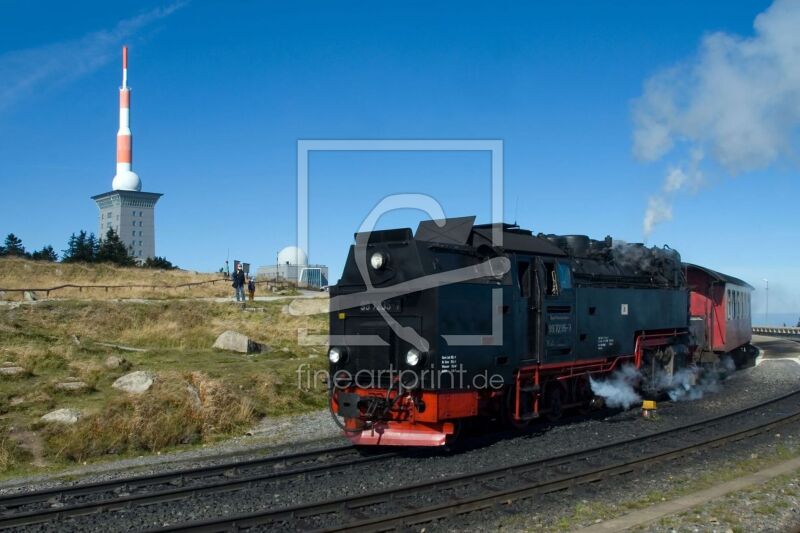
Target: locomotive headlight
[
  {"x": 377, "y": 260},
  {"x": 413, "y": 357},
  {"x": 335, "y": 355}
]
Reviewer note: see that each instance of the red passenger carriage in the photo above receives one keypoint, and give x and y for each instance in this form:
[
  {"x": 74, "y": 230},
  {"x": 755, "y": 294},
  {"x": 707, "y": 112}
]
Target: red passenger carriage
[{"x": 722, "y": 304}]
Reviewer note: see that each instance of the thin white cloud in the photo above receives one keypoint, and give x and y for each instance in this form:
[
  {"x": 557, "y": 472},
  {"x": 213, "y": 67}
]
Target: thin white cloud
[
  {"x": 24, "y": 72},
  {"x": 739, "y": 98},
  {"x": 736, "y": 101}
]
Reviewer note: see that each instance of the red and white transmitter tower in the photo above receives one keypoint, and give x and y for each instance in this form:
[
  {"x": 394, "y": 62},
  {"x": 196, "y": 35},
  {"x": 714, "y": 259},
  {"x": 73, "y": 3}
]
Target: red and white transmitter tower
[
  {"x": 125, "y": 179},
  {"x": 126, "y": 209}
]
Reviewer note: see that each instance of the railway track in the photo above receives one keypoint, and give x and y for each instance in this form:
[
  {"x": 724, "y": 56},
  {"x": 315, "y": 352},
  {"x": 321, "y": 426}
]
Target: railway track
[
  {"x": 56, "y": 504},
  {"x": 414, "y": 505}
]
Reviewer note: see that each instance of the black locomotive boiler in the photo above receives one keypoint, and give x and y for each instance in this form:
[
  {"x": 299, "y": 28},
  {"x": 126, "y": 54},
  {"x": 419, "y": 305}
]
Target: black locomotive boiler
[{"x": 462, "y": 321}]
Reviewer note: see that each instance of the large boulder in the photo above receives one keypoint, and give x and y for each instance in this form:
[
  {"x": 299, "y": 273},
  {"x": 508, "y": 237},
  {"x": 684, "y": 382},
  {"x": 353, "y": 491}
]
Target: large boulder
[
  {"x": 62, "y": 416},
  {"x": 236, "y": 342},
  {"x": 135, "y": 382}
]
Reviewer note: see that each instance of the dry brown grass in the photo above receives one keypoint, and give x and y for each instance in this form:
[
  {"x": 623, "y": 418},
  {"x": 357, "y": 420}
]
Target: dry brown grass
[
  {"x": 200, "y": 394},
  {"x": 18, "y": 273},
  {"x": 11, "y": 454},
  {"x": 179, "y": 409},
  {"x": 183, "y": 324}
]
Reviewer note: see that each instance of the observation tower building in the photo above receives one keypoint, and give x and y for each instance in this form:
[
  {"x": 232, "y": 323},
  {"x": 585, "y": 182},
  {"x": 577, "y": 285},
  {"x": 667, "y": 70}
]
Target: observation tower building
[{"x": 126, "y": 209}]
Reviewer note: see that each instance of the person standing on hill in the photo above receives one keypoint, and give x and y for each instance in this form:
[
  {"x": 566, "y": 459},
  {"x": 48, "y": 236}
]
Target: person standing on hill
[
  {"x": 238, "y": 283},
  {"x": 251, "y": 288}
]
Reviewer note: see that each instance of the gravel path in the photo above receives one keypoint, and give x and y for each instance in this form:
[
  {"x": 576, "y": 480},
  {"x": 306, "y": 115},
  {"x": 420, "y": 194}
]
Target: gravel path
[{"x": 771, "y": 507}]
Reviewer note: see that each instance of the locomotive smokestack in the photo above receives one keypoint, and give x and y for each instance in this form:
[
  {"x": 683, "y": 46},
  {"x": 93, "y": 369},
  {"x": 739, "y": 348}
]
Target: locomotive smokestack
[{"x": 125, "y": 179}]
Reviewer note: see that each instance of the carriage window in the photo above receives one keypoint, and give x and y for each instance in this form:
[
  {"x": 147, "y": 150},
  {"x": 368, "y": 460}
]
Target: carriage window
[
  {"x": 524, "y": 278},
  {"x": 564, "y": 276},
  {"x": 728, "y": 306}
]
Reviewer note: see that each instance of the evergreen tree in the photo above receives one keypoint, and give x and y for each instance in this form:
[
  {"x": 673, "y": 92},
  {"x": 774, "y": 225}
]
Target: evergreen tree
[
  {"x": 45, "y": 254},
  {"x": 81, "y": 248},
  {"x": 113, "y": 250},
  {"x": 92, "y": 246},
  {"x": 159, "y": 262},
  {"x": 68, "y": 255},
  {"x": 13, "y": 246}
]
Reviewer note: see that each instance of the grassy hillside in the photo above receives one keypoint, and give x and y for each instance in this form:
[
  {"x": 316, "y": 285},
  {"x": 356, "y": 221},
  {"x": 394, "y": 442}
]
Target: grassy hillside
[
  {"x": 22, "y": 273},
  {"x": 200, "y": 394}
]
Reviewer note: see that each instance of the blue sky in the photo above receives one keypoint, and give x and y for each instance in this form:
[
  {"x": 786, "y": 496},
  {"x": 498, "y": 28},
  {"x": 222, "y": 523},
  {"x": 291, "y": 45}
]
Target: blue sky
[{"x": 223, "y": 91}]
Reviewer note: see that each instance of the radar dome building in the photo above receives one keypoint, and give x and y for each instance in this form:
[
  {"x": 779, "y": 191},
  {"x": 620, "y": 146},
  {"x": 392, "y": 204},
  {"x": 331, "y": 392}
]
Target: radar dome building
[
  {"x": 293, "y": 266},
  {"x": 292, "y": 255},
  {"x": 126, "y": 209}
]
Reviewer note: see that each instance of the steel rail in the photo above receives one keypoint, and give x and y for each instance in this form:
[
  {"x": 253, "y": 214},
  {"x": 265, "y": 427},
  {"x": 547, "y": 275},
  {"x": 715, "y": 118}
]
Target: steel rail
[
  {"x": 493, "y": 482},
  {"x": 188, "y": 483}
]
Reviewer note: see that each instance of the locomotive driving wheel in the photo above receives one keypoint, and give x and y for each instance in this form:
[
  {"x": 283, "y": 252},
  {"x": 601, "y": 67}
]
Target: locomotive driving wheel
[
  {"x": 553, "y": 402},
  {"x": 509, "y": 411},
  {"x": 583, "y": 393}
]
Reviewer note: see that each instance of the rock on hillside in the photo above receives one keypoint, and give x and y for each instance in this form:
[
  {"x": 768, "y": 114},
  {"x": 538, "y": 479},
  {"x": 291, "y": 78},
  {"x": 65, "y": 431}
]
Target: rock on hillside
[
  {"x": 135, "y": 382},
  {"x": 236, "y": 342},
  {"x": 62, "y": 416},
  {"x": 11, "y": 369}
]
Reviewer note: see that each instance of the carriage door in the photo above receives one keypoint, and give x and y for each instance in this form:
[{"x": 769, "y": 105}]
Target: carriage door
[{"x": 558, "y": 311}]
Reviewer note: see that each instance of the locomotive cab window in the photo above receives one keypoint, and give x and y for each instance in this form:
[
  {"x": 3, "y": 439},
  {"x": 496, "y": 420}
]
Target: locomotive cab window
[
  {"x": 564, "y": 276},
  {"x": 524, "y": 278}
]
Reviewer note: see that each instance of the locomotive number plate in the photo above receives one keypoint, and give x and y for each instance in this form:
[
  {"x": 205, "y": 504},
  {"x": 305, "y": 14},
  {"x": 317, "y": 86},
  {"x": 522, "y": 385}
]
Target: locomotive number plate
[{"x": 392, "y": 307}]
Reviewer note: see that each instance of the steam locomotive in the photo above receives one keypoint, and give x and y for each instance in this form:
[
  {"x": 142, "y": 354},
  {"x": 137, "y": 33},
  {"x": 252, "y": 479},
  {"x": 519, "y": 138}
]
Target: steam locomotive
[{"x": 462, "y": 321}]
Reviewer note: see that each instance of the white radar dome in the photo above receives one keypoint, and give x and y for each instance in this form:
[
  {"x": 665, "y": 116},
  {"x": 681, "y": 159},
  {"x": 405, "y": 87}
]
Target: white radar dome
[
  {"x": 126, "y": 180},
  {"x": 292, "y": 255}
]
